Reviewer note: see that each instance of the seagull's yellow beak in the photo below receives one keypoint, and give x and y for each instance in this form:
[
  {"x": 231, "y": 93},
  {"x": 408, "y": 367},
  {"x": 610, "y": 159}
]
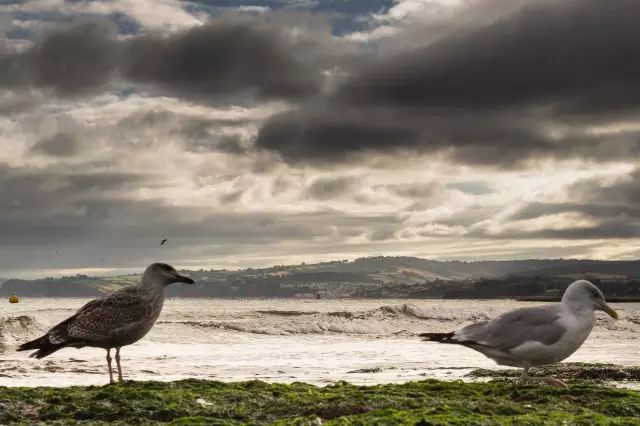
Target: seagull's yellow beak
[{"x": 609, "y": 310}]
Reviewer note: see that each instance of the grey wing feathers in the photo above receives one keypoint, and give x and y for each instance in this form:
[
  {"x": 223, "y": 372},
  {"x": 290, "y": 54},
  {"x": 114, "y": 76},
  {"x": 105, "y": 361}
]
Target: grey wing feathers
[
  {"x": 513, "y": 328},
  {"x": 101, "y": 319}
]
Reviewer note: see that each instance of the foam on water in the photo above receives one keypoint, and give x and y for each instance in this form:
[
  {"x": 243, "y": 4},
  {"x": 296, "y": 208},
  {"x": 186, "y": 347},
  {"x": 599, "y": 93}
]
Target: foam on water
[{"x": 13, "y": 329}]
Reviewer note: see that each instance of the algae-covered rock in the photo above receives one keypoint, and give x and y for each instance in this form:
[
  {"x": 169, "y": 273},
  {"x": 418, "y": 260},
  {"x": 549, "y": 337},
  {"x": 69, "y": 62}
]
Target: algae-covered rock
[
  {"x": 570, "y": 371},
  {"x": 429, "y": 402}
]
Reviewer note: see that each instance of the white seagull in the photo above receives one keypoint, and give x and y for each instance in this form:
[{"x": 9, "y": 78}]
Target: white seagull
[{"x": 541, "y": 335}]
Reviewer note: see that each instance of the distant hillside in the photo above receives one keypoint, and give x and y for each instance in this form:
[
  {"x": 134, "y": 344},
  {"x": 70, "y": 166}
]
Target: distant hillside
[
  {"x": 414, "y": 270},
  {"x": 365, "y": 277},
  {"x": 73, "y": 286}
]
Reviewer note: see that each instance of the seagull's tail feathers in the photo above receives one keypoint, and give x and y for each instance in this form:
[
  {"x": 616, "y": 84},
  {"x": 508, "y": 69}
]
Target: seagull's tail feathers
[
  {"x": 43, "y": 345},
  {"x": 438, "y": 337},
  {"x": 34, "y": 344},
  {"x": 55, "y": 339},
  {"x": 452, "y": 338}
]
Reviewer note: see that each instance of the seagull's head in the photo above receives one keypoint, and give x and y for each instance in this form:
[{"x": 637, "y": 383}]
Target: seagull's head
[
  {"x": 584, "y": 293},
  {"x": 166, "y": 274}
]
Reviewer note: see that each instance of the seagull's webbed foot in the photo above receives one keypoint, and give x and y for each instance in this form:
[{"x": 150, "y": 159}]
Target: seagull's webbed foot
[{"x": 552, "y": 381}]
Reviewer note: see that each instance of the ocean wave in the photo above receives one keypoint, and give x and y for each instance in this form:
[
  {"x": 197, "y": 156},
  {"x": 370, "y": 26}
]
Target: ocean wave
[
  {"x": 318, "y": 326},
  {"x": 385, "y": 320},
  {"x": 388, "y": 320},
  {"x": 629, "y": 321},
  {"x": 391, "y": 311},
  {"x": 14, "y": 329}
]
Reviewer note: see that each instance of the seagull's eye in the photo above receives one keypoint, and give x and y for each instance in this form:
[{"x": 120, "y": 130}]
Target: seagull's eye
[{"x": 594, "y": 293}]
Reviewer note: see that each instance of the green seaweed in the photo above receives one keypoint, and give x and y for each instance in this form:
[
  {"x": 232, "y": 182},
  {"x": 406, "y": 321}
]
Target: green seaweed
[
  {"x": 569, "y": 371},
  {"x": 428, "y": 402}
]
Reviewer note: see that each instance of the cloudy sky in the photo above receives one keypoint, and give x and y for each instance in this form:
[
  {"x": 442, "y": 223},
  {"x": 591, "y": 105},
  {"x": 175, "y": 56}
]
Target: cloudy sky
[{"x": 260, "y": 132}]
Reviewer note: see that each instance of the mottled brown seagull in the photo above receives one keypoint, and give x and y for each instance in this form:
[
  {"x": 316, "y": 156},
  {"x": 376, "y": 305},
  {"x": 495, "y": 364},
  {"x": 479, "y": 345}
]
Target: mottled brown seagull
[{"x": 113, "y": 321}]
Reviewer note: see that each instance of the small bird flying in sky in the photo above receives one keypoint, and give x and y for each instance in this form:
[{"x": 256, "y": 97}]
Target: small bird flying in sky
[{"x": 163, "y": 241}]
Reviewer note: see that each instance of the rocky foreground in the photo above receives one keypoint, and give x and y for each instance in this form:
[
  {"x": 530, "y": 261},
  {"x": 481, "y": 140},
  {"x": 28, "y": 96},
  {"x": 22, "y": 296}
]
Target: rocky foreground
[{"x": 589, "y": 399}]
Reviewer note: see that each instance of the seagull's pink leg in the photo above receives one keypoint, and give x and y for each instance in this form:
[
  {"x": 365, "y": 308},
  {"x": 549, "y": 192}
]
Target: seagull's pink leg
[
  {"x": 118, "y": 363},
  {"x": 109, "y": 364}
]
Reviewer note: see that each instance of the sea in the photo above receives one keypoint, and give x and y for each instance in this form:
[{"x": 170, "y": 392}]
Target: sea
[{"x": 286, "y": 340}]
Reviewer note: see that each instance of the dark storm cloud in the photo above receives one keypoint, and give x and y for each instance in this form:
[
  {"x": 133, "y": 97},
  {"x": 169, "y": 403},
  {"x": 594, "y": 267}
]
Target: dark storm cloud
[
  {"x": 226, "y": 58},
  {"x": 77, "y": 59},
  {"x": 230, "y": 144},
  {"x": 331, "y": 188},
  {"x": 487, "y": 96},
  {"x": 381, "y": 235},
  {"x": 71, "y": 60},
  {"x": 58, "y": 145},
  {"x": 333, "y": 133},
  {"x": 324, "y": 135},
  {"x": 41, "y": 191},
  {"x": 625, "y": 191},
  {"x": 229, "y": 57},
  {"x": 416, "y": 190},
  {"x": 567, "y": 51}
]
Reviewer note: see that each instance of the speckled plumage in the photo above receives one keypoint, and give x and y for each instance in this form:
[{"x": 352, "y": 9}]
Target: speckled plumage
[
  {"x": 119, "y": 319},
  {"x": 115, "y": 320}
]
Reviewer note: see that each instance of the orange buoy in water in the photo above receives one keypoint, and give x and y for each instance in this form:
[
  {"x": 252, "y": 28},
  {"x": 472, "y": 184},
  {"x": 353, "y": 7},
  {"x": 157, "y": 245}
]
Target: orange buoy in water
[{"x": 13, "y": 298}]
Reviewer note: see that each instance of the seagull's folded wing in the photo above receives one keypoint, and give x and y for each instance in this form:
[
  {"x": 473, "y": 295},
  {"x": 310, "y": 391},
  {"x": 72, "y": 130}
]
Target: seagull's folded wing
[
  {"x": 538, "y": 324},
  {"x": 101, "y": 319}
]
